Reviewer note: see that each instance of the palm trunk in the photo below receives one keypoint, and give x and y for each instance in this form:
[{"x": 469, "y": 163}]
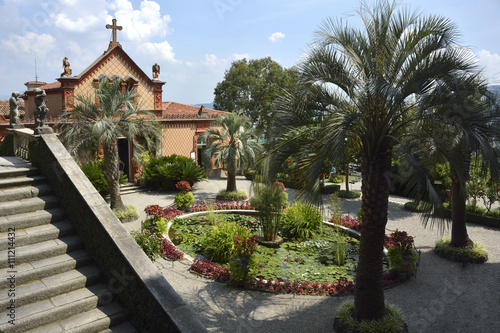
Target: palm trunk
[
  {"x": 347, "y": 177},
  {"x": 459, "y": 236},
  {"x": 113, "y": 175},
  {"x": 369, "y": 294},
  {"x": 231, "y": 175}
]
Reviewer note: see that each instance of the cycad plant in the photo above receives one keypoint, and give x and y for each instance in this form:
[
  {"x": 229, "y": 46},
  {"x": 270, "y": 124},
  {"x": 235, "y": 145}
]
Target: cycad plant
[
  {"x": 102, "y": 119},
  {"x": 369, "y": 83}
]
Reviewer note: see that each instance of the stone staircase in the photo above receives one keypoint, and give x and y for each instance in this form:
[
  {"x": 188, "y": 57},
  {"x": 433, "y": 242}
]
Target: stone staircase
[{"x": 49, "y": 283}]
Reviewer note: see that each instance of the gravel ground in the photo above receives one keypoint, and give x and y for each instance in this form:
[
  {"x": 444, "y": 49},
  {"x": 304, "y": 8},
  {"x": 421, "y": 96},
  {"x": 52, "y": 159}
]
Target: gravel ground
[{"x": 444, "y": 297}]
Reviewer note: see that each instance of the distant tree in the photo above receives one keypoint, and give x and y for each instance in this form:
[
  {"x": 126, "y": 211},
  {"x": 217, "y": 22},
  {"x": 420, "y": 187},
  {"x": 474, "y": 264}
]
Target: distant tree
[
  {"x": 116, "y": 116},
  {"x": 252, "y": 86},
  {"x": 231, "y": 142}
]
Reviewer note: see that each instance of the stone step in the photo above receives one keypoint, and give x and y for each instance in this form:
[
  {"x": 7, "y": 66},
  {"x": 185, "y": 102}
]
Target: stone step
[
  {"x": 21, "y": 169},
  {"x": 31, "y": 219},
  {"x": 46, "y": 267},
  {"x": 23, "y": 192},
  {"x": 33, "y": 315},
  {"x": 21, "y": 181},
  {"x": 95, "y": 320},
  {"x": 28, "y": 205},
  {"x": 32, "y": 235},
  {"x": 129, "y": 188},
  {"x": 125, "y": 327},
  {"x": 46, "y": 249},
  {"x": 51, "y": 286}
]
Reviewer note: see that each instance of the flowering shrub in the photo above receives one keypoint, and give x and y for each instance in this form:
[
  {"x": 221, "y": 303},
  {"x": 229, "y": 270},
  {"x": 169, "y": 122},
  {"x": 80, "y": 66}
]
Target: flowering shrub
[
  {"x": 200, "y": 206},
  {"x": 347, "y": 221},
  {"x": 306, "y": 288},
  {"x": 183, "y": 186},
  {"x": 170, "y": 251},
  {"x": 210, "y": 270},
  {"x": 156, "y": 225},
  {"x": 243, "y": 260},
  {"x": 150, "y": 243},
  {"x": 153, "y": 211},
  {"x": 401, "y": 254}
]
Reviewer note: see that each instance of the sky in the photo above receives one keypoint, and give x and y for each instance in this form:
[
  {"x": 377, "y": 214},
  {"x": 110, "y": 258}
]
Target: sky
[{"x": 195, "y": 41}]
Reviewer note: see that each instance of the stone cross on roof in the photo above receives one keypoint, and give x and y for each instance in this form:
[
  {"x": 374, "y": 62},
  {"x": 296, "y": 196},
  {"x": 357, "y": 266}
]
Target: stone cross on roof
[{"x": 114, "y": 27}]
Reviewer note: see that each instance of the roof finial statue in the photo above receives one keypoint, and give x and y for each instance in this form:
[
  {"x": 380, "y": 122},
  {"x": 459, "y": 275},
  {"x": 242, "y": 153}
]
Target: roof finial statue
[
  {"x": 67, "y": 70},
  {"x": 156, "y": 71}
]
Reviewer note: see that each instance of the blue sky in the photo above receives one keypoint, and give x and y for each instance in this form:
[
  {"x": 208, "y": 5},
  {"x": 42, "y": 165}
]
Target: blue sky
[{"x": 195, "y": 41}]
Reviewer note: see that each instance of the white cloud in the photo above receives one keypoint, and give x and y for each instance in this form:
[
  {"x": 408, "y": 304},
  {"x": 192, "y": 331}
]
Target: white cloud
[
  {"x": 237, "y": 56},
  {"x": 76, "y": 15},
  {"x": 30, "y": 43},
  {"x": 214, "y": 63},
  {"x": 143, "y": 24},
  {"x": 163, "y": 51},
  {"x": 81, "y": 24},
  {"x": 276, "y": 37},
  {"x": 491, "y": 64}
]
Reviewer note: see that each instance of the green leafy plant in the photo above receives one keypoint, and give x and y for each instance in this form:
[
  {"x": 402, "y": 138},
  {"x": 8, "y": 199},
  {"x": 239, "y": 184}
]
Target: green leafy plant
[
  {"x": 392, "y": 322},
  {"x": 269, "y": 201},
  {"x": 184, "y": 200},
  {"x": 166, "y": 171},
  {"x": 219, "y": 244},
  {"x": 301, "y": 221},
  {"x": 150, "y": 243},
  {"x": 400, "y": 252},
  {"x": 419, "y": 207},
  {"x": 349, "y": 195},
  {"x": 96, "y": 173},
  {"x": 157, "y": 225},
  {"x": 477, "y": 253},
  {"x": 243, "y": 260},
  {"x": 130, "y": 211},
  {"x": 336, "y": 179},
  {"x": 231, "y": 196}
]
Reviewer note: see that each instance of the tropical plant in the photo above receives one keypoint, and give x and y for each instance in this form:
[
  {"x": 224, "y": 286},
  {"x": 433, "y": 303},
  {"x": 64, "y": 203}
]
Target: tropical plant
[
  {"x": 370, "y": 82},
  {"x": 95, "y": 172},
  {"x": 219, "y": 244},
  {"x": 232, "y": 143},
  {"x": 301, "y": 221},
  {"x": 158, "y": 225},
  {"x": 269, "y": 200},
  {"x": 114, "y": 116}
]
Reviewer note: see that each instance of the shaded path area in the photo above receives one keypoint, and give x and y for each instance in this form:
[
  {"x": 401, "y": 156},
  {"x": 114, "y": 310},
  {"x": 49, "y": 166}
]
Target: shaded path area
[{"x": 444, "y": 297}]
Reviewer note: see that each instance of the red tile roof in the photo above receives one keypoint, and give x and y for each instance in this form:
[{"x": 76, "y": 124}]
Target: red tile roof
[
  {"x": 178, "y": 110},
  {"x": 49, "y": 86},
  {"x": 5, "y": 108}
]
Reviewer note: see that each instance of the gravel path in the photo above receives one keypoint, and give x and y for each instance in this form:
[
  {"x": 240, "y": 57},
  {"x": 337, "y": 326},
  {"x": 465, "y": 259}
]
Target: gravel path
[{"x": 444, "y": 297}]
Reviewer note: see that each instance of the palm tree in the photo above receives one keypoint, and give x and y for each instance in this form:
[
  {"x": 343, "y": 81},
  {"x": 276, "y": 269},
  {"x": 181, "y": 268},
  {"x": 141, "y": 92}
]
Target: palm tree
[
  {"x": 232, "y": 142},
  {"x": 113, "y": 116},
  {"x": 368, "y": 81}
]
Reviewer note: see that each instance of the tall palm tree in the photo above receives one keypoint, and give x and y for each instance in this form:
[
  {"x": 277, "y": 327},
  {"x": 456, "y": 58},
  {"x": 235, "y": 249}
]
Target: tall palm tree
[
  {"x": 232, "y": 142},
  {"x": 368, "y": 81},
  {"x": 103, "y": 119}
]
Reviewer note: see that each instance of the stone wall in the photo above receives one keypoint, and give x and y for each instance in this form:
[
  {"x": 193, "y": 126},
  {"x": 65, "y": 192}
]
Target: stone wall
[{"x": 152, "y": 303}]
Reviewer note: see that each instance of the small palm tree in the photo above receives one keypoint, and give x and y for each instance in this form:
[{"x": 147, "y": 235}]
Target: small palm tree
[
  {"x": 102, "y": 120},
  {"x": 232, "y": 142},
  {"x": 367, "y": 83}
]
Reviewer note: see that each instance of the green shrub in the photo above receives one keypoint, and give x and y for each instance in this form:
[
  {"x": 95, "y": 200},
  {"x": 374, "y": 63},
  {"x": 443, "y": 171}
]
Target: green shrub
[
  {"x": 473, "y": 209},
  {"x": 166, "y": 171},
  {"x": 250, "y": 175},
  {"x": 392, "y": 322},
  {"x": 157, "y": 225},
  {"x": 150, "y": 243},
  {"x": 184, "y": 199},
  {"x": 421, "y": 207},
  {"x": 219, "y": 244},
  {"x": 231, "y": 196},
  {"x": 96, "y": 173},
  {"x": 301, "y": 221},
  {"x": 130, "y": 211},
  {"x": 477, "y": 252},
  {"x": 336, "y": 179},
  {"x": 349, "y": 195},
  {"x": 402, "y": 260}
]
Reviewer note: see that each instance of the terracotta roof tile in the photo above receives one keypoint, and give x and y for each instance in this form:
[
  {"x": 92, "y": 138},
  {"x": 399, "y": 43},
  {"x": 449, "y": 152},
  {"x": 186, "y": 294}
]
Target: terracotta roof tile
[
  {"x": 176, "y": 110},
  {"x": 48, "y": 86},
  {"x": 5, "y": 108}
]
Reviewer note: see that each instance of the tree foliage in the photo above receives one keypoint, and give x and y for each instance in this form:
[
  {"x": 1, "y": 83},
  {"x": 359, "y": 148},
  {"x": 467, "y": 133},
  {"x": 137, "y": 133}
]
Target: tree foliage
[{"x": 252, "y": 86}]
